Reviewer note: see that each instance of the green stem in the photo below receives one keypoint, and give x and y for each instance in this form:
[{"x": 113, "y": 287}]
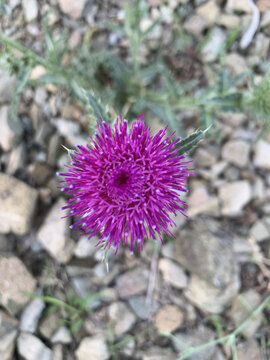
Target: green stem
[
  {"x": 54, "y": 301},
  {"x": 230, "y": 337}
]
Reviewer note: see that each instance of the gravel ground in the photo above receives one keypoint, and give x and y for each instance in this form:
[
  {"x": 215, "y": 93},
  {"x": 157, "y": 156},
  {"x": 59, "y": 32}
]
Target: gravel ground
[{"x": 205, "y": 282}]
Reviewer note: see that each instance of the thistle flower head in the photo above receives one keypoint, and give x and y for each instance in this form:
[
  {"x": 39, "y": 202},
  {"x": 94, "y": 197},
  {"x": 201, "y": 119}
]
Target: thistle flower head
[{"x": 125, "y": 184}]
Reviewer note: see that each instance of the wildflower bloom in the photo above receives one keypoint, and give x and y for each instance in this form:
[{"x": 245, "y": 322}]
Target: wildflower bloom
[{"x": 124, "y": 185}]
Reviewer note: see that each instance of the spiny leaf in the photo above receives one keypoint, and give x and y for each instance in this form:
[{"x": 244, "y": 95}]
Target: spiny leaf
[{"x": 190, "y": 142}]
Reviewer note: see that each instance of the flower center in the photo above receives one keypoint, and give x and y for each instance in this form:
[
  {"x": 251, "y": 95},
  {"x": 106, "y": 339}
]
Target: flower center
[
  {"x": 123, "y": 183},
  {"x": 121, "y": 179}
]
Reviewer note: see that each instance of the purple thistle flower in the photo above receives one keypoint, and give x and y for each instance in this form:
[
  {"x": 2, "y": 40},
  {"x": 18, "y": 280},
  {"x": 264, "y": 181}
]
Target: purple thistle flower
[{"x": 125, "y": 184}]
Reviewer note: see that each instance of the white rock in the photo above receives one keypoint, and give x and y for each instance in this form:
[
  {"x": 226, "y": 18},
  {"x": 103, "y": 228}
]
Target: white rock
[
  {"x": 11, "y": 129},
  {"x": 236, "y": 63},
  {"x": 262, "y": 155},
  {"x": 216, "y": 40},
  {"x": 238, "y": 5},
  {"x": 58, "y": 352},
  {"x": 7, "y": 344},
  {"x": 31, "y": 315},
  {"x": 265, "y": 19},
  {"x": 72, "y": 8},
  {"x": 54, "y": 234},
  {"x": 31, "y": 348},
  {"x": 7, "y": 86},
  {"x": 62, "y": 336},
  {"x": 14, "y": 280},
  {"x": 85, "y": 248},
  {"x": 173, "y": 273},
  {"x": 8, "y": 332},
  {"x": 259, "y": 231},
  {"x": 93, "y": 348},
  {"x": 234, "y": 196},
  {"x": 121, "y": 318},
  {"x": 30, "y": 9},
  {"x": 200, "y": 201},
  {"x": 236, "y": 152},
  {"x": 209, "y": 10},
  {"x": 17, "y": 205},
  {"x": 17, "y": 159}
]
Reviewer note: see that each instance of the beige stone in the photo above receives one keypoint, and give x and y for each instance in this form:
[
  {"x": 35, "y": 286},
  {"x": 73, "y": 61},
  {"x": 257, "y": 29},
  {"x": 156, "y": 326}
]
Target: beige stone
[
  {"x": 234, "y": 196},
  {"x": 54, "y": 234},
  {"x": 93, "y": 348},
  {"x": 169, "y": 318},
  {"x": 14, "y": 281},
  {"x": 17, "y": 205},
  {"x": 210, "y": 11},
  {"x": 238, "y": 5},
  {"x": 72, "y": 8}
]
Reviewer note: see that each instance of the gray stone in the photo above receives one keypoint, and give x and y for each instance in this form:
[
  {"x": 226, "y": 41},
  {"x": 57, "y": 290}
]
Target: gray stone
[
  {"x": 141, "y": 309},
  {"x": 31, "y": 348},
  {"x": 62, "y": 336},
  {"x": 30, "y": 9},
  {"x": 259, "y": 189},
  {"x": 242, "y": 307},
  {"x": 7, "y": 86},
  {"x": 85, "y": 248},
  {"x": 5, "y": 244},
  {"x": 234, "y": 196},
  {"x": 249, "y": 350},
  {"x": 17, "y": 159},
  {"x": 173, "y": 273},
  {"x": 121, "y": 318},
  {"x": 53, "y": 234},
  {"x": 236, "y": 152},
  {"x": 7, "y": 325},
  {"x": 260, "y": 46},
  {"x": 204, "y": 158},
  {"x": 49, "y": 325},
  {"x": 58, "y": 352},
  {"x": 17, "y": 205},
  {"x": 209, "y": 298},
  {"x": 233, "y": 119},
  {"x": 236, "y": 63},
  {"x": 204, "y": 249},
  {"x": 83, "y": 286},
  {"x": 11, "y": 129},
  {"x": 14, "y": 281},
  {"x": 216, "y": 40},
  {"x": 94, "y": 348},
  {"x": 199, "y": 201},
  {"x": 265, "y": 19},
  {"x": 261, "y": 156},
  {"x": 7, "y": 344},
  {"x": 40, "y": 96},
  {"x": 31, "y": 315},
  {"x": 133, "y": 282},
  {"x": 260, "y": 231},
  {"x": 194, "y": 338}
]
